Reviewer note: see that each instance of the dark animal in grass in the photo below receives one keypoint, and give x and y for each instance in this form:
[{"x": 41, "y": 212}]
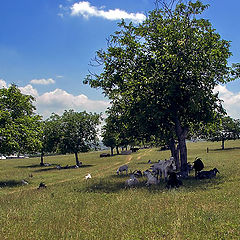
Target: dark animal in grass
[
  {"x": 149, "y": 161},
  {"x": 104, "y": 155},
  {"x": 198, "y": 165},
  {"x": 137, "y": 173},
  {"x": 173, "y": 181},
  {"x": 207, "y": 174},
  {"x": 42, "y": 185},
  {"x": 185, "y": 170}
]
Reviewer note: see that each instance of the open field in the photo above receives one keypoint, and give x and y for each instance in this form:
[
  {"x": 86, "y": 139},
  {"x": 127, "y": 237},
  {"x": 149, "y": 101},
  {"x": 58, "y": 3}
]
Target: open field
[{"x": 101, "y": 208}]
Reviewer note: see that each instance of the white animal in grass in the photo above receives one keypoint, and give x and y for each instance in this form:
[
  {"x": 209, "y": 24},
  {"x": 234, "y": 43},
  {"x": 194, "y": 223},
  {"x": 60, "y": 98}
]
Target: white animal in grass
[
  {"x": 132, "y": 181},
  {"x": 24, "y": 182},
  {"x": 88, "y": 176},
  {"x": 164, "y": 167},
  {"x": 122, "y": 168},
  {"x": 152, "y": 180}
]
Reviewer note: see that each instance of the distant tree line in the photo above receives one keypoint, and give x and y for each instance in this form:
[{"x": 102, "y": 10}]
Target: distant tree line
[{"x": 159, "y": 76}]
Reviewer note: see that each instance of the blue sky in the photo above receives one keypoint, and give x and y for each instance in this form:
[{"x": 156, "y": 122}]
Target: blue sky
[{"x": 46, "y": 47}]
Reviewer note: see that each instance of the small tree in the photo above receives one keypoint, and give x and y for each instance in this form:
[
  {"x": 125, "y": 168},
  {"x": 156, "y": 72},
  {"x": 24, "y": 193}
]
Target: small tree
[
  {"x": 78, "y": 132},
  {"x": 109, "y": 139},
  {"x": 20, "y": 127},
  {"x": 51, "y": 135},
  {"x": 227, "y": 129}
]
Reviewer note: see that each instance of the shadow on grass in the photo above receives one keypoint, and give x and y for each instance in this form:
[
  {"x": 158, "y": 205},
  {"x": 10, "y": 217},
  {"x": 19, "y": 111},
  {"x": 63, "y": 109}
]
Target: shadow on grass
[
  {"x": 225, "y": 149},
  {"x": 110, "y": 185},
  {"x": 35, "y": 166},
  {"x": 10, "y": 183},
  {"x": 146, "y": 163},
  {"x": 44, "y": 169},
  {"x": 202, "y": 184}
]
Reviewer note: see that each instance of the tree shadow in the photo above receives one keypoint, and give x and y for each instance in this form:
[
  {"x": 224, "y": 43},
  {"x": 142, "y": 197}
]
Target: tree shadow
[
  {"x": 225, "y": 149},
  {"x": 10, "y": 183},
  {"x": 62, "y": 168},
  {"x": 119, "y": 176},
  {"x": 106, "y": 185},
  {"x": 36, "y": 166},
  {"x": 194, "y": 184},
  {"x": 145, "y": 162}
]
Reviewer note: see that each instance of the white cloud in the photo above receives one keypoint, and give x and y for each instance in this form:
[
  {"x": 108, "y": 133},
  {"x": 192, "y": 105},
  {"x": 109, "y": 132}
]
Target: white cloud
[
  {"x": 59, "y": 100},
  {"x": 29, "y": 90},
  {"x": 231, "y": 101},
  {"x": 3, "y": 84},
  {"x": 86, "y": 10},
  {"x": 59, "y": 76},
  {"x": 42, "y": 81}
]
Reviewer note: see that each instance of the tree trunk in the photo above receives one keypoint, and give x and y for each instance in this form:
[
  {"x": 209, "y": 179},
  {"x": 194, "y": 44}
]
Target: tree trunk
[
  {"x": 112, "y": 151},
  {"x": 182, "y": 134},
  {"x": 41, "y": 163},
  {"x": 76, "y": 157},
  {"x": 174, "y": 152},
  {"x": 223, "y": 144},
  {"x": 117, "y": 150}
]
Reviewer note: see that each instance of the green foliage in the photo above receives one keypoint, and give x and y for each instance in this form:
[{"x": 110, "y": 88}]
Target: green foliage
[
  {"x": 160, "y": 75},
  {"x": 78, "y": 131},
  {"x": 51, "y": 133},
  {"x": 20, "y": 128}
]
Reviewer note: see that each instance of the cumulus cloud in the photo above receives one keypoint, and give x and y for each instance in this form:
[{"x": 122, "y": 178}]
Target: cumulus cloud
[
  {"x": 3, "y": 84},
  {"x": 59, "y": 100},
  {"x": 231, "y": 101},
  {"x": 29, "y": 90},
  {"x": 86, "y": 10},
  {"x": 42, "y": 81}
]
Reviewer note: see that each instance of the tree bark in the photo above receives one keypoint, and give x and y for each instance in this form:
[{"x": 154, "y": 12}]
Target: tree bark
[
  {"x": 76, "y": 157},
  {"x": 111, "y": 151},
  {"x": 41, "y": 163},
  {"x": 117, "y": 150},
  {"x": 181, "y": 135},
  {"x": 223, "y": 144},
  {"x": 174, "y": 152}
]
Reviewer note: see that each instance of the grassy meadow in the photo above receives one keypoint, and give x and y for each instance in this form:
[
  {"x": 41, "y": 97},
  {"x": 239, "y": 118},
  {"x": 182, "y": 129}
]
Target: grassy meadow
[{"x": 101, "y": 208}]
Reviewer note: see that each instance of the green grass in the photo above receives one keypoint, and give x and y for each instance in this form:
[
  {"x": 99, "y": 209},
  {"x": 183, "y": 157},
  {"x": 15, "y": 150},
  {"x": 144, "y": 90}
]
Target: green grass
[{"x": 101, "y": 208}]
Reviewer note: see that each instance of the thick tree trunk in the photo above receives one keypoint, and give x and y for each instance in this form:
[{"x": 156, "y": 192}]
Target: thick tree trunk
[
  {"x": 112, "y": 151},
  {"x": 223, "y": 144},
  {"x": 117, "y": 150},
  {"x": 182, "y": 134},
  {"x": 76, "y": 157},
  {"x": 41, "y": 163},
  {"x": 174, "y": 152}
]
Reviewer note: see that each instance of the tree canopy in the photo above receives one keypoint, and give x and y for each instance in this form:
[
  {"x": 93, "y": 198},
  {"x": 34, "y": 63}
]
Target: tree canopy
[
  {"x": 226, "y": 128},
  {"x": 20, "y": 127},
  {"x": 160, "y": 74},
  {"x": 78, "y": 132}
]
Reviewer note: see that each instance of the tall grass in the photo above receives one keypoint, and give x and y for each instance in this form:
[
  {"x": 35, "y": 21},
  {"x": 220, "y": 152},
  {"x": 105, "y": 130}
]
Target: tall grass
[{"x": 101, "y": 208}]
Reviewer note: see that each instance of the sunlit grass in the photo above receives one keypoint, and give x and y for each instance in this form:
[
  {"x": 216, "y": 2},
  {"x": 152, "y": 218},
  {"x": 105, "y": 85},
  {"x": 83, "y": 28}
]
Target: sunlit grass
[{"x": 101, "y": 208}]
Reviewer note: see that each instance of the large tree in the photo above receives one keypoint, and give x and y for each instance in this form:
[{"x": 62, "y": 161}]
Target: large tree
[
  {"x": 20, "y": 127},
  {"x": 78, "y": 132},
  {"x": 168, "y": 67}
]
